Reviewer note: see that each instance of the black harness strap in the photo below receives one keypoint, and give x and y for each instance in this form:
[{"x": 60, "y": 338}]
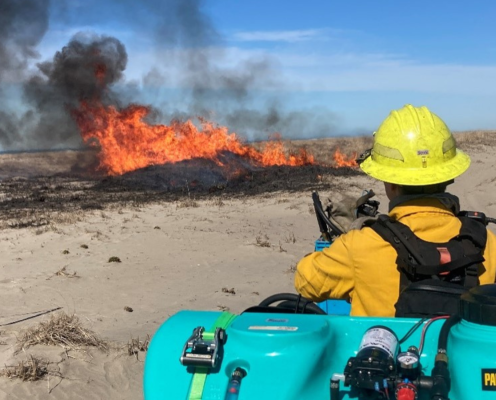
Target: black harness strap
[
  {"x": 473, "y": 232},
  {"x": 401, "y": 240},
  {"x": 385, "y": 228},
  {"x": 444, "y": 269},
  {"x": 418, "y": 259}
]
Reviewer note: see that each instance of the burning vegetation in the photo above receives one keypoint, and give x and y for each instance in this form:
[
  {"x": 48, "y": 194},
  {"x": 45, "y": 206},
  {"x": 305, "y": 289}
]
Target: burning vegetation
[
  {"x": 126, "y": 142},
  {"x": 80, "y": 97},
  {"x": 131, "y": 153}
]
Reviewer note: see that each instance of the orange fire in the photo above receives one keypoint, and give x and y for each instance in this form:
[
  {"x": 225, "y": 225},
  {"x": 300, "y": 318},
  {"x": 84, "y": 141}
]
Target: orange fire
[
  {"x": 342, "y": 161},
  {"x": 126, "y": 142}
]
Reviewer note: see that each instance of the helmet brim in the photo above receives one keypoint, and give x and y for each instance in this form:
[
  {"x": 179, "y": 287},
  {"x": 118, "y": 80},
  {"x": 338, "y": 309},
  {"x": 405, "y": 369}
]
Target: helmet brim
[{"x": 418, "y": 176}]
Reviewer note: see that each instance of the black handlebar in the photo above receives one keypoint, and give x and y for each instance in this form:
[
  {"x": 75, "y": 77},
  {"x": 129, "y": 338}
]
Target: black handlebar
[{"x": 328, "y": 230}]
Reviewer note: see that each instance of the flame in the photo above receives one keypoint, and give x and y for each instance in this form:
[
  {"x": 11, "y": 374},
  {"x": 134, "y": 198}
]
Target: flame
[
  {"x": 342, "y": 161},
  {"x": 126, "y": 142}
]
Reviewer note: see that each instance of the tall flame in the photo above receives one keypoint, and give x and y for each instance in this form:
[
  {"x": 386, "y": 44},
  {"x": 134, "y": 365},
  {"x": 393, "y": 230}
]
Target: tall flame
[{"x": 127, "y": 142}]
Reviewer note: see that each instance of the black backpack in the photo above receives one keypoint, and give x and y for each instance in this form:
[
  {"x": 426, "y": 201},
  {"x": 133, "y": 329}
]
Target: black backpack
[{"x": 434, "y": 275}]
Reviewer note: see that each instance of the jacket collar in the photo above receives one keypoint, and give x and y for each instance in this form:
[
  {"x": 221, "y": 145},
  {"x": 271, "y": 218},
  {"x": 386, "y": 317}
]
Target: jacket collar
[{"x": 445, "y": 203}]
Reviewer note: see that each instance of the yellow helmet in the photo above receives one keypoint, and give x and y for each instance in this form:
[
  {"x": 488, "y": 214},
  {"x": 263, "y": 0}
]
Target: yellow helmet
[{"x": 414, "y": 147}]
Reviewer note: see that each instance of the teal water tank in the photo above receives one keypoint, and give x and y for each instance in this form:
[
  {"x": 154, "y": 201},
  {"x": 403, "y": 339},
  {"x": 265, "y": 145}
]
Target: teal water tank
[{"x": 472, "y": 346}]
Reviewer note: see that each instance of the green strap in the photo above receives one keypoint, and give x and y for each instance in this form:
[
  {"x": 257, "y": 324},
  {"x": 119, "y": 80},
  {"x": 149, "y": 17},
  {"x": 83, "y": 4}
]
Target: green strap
[
  {"x": 200, "y": 375},
  {"x": 198, "y": 383}
]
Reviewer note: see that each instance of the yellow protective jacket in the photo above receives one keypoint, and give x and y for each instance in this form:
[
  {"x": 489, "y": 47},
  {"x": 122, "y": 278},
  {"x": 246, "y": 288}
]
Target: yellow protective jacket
[{"x": 361, "y": 266}]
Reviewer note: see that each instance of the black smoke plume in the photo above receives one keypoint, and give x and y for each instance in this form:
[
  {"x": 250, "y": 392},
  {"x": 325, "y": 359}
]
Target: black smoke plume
[{"x": 84, "y": 70}]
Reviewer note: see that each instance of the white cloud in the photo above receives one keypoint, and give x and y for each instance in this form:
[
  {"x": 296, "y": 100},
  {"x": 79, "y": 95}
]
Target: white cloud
[
  {"x": 279, "y": 36},
  {"x": 402, "y": 76}
]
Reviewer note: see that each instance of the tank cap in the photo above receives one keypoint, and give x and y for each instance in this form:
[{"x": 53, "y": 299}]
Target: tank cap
[{"x": 478, "y": 305}]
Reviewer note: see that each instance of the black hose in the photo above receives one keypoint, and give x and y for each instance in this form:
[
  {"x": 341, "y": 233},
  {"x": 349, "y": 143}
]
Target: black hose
[
  {"x": 277, "y": 297},
  {"x": 441, "y": 381},
  {"x": 289, "y": 300},
  {"x": 298, "y": 305},
  {"x": 443, "y": 335}
]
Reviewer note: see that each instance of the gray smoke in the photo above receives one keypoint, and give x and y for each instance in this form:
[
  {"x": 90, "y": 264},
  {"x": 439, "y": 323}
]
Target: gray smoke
[
  {"x": 187, "y": 37},
  {"x": 87, "y": 68},
  {"x": 23, "y": 24}
]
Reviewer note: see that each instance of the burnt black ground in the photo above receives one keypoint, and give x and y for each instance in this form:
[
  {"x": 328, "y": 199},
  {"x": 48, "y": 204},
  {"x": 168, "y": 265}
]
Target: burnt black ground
[{"x": 40, "y": 200}]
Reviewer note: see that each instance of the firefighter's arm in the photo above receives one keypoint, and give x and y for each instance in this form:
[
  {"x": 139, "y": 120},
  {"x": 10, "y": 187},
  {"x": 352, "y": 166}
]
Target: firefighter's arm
[{"x": 326, "y": 274}]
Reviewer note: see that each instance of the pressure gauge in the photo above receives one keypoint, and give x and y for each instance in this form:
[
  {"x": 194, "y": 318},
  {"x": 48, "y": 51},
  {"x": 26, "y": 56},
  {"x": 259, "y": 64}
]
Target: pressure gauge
[
  {"x": 408, "y": 360},
  {"x": 408, "y": 363}
]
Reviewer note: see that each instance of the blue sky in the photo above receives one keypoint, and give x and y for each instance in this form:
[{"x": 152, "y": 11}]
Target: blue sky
[{"x": 352, "y": 60}]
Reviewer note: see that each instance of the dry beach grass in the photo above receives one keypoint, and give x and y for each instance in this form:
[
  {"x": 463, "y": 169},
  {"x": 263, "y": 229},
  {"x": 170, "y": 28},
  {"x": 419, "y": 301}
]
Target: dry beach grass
[{"x": 62, "y": 330}]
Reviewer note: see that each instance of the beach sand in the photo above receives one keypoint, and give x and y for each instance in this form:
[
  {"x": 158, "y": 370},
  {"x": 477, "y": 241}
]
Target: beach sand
[{"x": 217, "y": 252}]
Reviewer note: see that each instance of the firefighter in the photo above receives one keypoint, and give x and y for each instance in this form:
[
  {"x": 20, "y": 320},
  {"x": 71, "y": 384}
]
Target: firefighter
[{"x": 415, "y": 155}]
